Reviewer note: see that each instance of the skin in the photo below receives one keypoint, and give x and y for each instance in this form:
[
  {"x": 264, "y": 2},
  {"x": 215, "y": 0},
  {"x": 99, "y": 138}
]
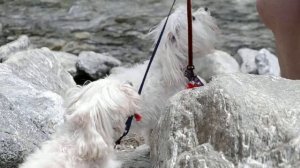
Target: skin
[{"x": 283, "y": 18}]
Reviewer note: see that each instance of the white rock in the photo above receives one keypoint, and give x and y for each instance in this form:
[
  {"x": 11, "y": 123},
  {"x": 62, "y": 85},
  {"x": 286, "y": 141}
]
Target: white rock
[
  {"x": 267, "y": 63},
  {"x": 22, "y": 43},
  {"x": 261, "y": 62},
  {"x": 241, "y": 116},
  {"x": 216, "y": 63},
  {"x": 41, "y": 69},
  {"x": 33, "y": 84}
]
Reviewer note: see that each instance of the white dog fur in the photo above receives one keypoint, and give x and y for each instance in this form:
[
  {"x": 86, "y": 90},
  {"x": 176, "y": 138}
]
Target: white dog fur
[
  {"x": 95, "y": 117},
  {"x": 166, "y": 76}
]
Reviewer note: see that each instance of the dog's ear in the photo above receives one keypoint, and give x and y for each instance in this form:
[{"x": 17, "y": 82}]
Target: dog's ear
[
  {"x": 90, "y": 144},
  {"x": 92, "y": 133}
]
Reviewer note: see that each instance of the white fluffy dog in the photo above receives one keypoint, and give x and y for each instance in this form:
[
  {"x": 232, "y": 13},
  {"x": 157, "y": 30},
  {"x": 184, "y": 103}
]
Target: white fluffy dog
[
  {"x": 95, "y": 117},
  {"x": 166, "y": 76}
]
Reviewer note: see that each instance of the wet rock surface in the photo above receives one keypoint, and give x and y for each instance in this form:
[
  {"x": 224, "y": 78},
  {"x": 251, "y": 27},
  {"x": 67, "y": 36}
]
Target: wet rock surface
[
  {"x": 119, "y": 27},
  {"x": 251, "y": 120}
]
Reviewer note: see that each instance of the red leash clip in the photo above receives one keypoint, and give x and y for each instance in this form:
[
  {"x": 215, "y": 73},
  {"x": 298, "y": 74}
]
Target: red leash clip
[{"x": 194, "y": 80}]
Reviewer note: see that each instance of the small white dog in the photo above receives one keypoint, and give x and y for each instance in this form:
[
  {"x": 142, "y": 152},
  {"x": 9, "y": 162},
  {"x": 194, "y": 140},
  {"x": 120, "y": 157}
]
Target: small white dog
[
  {"x": 95, "y": 117},
  {"x": 166, "y": 76}
]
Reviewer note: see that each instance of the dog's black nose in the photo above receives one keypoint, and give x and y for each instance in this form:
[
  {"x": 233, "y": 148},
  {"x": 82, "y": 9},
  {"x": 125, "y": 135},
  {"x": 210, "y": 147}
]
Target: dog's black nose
[{"x": 206, "y": 8}]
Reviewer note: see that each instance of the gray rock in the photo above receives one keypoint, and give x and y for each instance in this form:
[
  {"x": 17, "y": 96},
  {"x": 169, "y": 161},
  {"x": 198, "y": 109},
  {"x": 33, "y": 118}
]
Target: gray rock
[
  {"x": 22, "y": 43},
  {"x": 27, "y": 118},
  {"x": 252, "y": 120},
  {"x": 41, "y": 69},
  {"x": 96, "y": 65},
  {"x": 30, "y": 104},
  {"x": 216, "y": 63},
  {"x": 138, "y": 158},
  {"x": 267, "y": 63}
]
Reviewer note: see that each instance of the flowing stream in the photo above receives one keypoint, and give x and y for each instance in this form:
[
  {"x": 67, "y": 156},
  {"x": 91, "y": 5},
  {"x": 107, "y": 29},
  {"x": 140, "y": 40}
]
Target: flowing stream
[{"x": 119, "y": 26}]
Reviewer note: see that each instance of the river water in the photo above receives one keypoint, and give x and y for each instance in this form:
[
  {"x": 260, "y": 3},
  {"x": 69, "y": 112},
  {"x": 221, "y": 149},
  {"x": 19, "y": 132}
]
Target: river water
[{"x": 119, "y": 26}]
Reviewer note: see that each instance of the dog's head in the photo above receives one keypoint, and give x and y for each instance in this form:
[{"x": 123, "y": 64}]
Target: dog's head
[
  {"x": 173, "y": 50},
  {"x": 97, "y": 113}
]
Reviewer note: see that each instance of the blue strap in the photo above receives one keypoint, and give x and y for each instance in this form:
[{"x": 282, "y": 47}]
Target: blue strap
[{"x": 129, "y": 120}]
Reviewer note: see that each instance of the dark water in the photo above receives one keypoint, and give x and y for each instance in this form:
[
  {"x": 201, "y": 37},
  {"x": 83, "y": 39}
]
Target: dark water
[{"x": 119, "y": 26}]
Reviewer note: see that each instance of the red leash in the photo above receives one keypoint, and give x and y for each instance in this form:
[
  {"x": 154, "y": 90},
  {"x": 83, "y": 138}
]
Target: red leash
[
  {"x": 194, "y": 81},
  {"x": 190, "y": 32}
]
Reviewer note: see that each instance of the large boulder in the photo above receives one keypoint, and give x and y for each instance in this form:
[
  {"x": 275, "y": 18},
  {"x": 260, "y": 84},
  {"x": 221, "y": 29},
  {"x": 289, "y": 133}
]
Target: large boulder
[
  {"x": 22, "y": 43},
  {"x": 40, "y": 68},
  {"x": 27, "y": 118},
  {"x": 31, "y": 104},
  {"x": 250, "y": 121},
  {"x": 218, "y": 62}
]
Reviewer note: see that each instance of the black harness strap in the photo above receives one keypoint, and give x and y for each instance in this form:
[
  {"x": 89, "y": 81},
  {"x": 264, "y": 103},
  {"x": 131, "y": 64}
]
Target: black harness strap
[{"x": 129, "y": 120}]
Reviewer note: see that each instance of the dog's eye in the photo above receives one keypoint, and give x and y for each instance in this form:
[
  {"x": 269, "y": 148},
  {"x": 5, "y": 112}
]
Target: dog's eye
[
  {"x": 194, "y": 18},
  {"x": 173, "y": 39},
  {"x": 206, "y": 9},
  {"x": 129, "y": 83}
]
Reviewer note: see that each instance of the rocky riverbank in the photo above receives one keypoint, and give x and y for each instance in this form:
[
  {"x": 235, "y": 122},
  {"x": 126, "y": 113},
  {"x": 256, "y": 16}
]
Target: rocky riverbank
[{"x": 236, "y": 120}]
